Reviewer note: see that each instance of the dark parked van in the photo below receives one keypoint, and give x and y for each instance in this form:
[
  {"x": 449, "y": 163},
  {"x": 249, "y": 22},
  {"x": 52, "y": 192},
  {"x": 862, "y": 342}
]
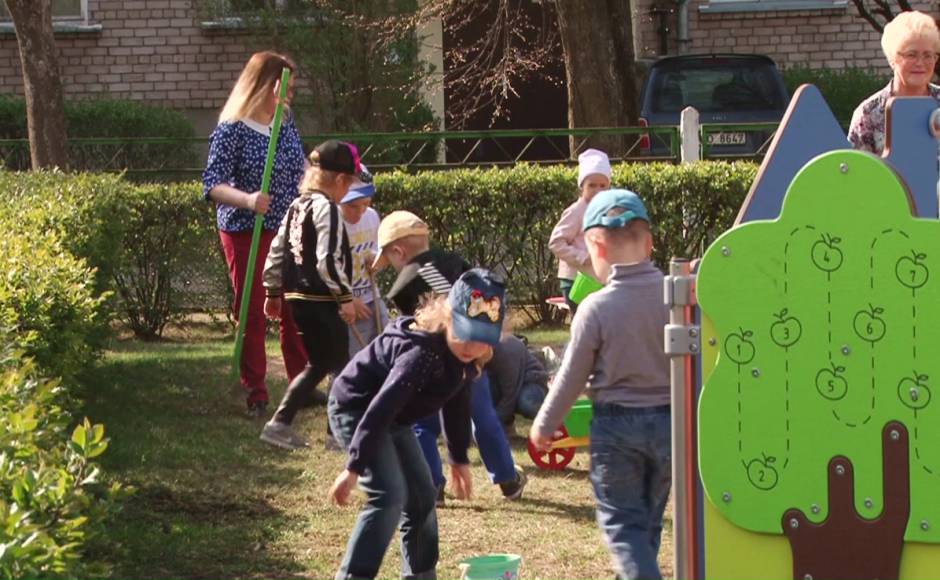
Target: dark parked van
[{"x": 724, "y": 88}]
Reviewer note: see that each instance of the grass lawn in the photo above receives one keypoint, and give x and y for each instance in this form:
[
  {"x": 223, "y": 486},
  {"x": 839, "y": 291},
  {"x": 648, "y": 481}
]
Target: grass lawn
[{"x": 212, "y": 501}]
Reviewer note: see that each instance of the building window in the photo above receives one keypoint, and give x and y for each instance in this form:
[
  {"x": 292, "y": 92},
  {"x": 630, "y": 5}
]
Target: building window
[
  {"x": 770, "y": 5},
  {"x": 220, "y": 9},
  {"x": 62, "y": 10}
]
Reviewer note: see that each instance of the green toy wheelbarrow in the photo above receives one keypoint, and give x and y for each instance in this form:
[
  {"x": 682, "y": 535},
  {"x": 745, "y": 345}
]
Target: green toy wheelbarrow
[{"x": 574, "y": 433}]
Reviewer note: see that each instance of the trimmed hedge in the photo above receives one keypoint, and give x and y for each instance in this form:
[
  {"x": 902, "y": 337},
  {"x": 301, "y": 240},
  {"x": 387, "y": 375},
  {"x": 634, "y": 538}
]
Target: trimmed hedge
[
  {"x": 153, "y": 247},
  {"x": 171, "y": 260},
  {"x": 502, "y": 218},
  {"x": 156, "y": 248}
]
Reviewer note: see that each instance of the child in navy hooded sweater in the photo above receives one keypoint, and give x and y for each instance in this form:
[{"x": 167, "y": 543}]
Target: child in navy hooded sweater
[{"x": 418, "y": 366}]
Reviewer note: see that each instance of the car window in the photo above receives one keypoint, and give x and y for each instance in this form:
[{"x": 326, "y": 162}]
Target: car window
[{"x": 716, "y": 88}]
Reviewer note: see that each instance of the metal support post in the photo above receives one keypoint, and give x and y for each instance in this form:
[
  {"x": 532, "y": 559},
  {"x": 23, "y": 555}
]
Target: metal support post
[{"x": 682, "y": 342}]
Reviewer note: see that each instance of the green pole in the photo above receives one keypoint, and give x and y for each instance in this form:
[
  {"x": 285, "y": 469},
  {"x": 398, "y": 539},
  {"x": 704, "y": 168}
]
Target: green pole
[{"x": 259, "y": 222}]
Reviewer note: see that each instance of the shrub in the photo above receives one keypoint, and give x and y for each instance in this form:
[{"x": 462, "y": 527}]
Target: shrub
[
  {"x": 107, "y": 118},
  {"x": 843, "y": 89},
  {"x": 153, "y": 247},
  {"x": 502, "y": 218},
  {"x": 87, "y": 210},
  {"x": 159, "y": 246},
  {"x": 167, "y": 263},
  {"x": 51, "y": 499},
  {"x": 47, "y": 300}
]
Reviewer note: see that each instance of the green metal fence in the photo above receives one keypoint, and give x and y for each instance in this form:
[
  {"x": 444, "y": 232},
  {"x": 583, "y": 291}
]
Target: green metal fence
[{"x": 156, "y": 158}]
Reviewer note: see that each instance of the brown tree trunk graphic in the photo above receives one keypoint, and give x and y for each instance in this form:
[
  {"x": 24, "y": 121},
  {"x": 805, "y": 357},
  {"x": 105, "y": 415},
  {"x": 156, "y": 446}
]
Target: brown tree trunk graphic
[{"x": 846, "y": 546}]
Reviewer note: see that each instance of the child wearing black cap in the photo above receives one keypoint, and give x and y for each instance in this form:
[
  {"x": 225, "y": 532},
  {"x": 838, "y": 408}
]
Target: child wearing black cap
[
  {"x": 309, "y": 265},
  {"x": 418, "y": 366}
]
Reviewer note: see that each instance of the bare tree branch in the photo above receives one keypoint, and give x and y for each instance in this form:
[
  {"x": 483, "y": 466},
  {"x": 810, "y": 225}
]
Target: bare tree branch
[{"x": 880, "y": 12}]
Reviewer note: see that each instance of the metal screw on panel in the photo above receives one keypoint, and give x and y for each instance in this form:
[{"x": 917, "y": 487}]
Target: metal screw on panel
[
  {"x": 924, "y": 525},
  {"x": 814, "y": 508},
  {"x": 868, "y": 502},
  {"x": 755, "y": 373},
  {"x": 712, "y": 341},
  {"x": 895, "y": 435},
  {"x": 840, "y": 470},
  {"x": 794, "y": 523},
  {"x": 725, "y": 251},
  {"x": 726, "y": 497},
  {"x": 844, "y": 167},
  {"x": 807, "y": 577},
  {"x": 693, "y": 332},
  {"x": 846, "y": 350},
  {"x": 693, "y": 348},
  {"x": 914, "y": 395}
]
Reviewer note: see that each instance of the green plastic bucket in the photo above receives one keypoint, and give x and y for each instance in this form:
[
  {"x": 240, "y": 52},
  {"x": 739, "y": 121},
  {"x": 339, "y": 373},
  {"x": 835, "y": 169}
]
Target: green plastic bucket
[
  {"x": 578, "y": 421},
  {"x": 583, "y": 285},
  {"x": 491, "y": 567}
]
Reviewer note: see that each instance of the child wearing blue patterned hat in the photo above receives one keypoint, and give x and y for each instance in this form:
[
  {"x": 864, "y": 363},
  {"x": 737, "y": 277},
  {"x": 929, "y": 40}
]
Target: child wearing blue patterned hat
[
  {"x": 417, "y": 367},
  {"x": 617, "y": 345}
]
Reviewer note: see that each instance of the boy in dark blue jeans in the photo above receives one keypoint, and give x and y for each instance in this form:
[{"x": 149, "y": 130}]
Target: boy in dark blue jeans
[{"x": 617, "y": 343}]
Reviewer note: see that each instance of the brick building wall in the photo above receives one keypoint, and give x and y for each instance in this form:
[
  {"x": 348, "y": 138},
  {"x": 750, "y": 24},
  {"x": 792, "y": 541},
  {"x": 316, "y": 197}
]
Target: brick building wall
[
  {"x": 153, "y": 51},
  {"x": 832, "y": 38}
]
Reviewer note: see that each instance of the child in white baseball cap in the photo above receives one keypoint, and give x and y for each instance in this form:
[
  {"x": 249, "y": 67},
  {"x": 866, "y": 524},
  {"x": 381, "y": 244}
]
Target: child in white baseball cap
[{"x": 567, "y": 239}]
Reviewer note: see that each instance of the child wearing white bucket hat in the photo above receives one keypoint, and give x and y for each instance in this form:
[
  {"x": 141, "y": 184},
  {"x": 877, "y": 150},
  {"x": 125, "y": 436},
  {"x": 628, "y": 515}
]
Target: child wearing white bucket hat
[{"x": 567, "y": 239}]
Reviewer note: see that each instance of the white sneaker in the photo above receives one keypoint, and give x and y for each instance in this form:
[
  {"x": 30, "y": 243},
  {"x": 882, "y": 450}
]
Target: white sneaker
[{"x": 281, "y": 435}]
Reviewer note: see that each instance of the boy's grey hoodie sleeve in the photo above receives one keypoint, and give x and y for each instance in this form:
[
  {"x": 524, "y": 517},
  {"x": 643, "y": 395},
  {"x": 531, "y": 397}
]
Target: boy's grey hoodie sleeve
[
  {"x": 273, "y": 275},
  {"x": 576, "y": 368}
]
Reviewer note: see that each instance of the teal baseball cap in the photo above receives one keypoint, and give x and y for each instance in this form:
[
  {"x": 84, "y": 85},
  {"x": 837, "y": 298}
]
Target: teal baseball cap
[{"x": 614, "y": 208}]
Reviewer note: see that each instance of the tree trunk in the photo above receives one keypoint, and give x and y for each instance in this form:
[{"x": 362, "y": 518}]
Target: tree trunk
[
  {"x": 847, "y": 546},
  {"x": 597, "y": 37},
  {"x": 45, "y": 113}
]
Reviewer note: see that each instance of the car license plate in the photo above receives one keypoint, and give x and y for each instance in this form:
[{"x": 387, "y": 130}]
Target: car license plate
[{"x": 727, "y": 138}]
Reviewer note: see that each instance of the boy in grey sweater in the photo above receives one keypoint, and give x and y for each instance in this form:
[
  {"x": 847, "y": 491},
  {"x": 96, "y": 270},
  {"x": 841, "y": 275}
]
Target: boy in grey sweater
[{"x": 616, "y": 349}]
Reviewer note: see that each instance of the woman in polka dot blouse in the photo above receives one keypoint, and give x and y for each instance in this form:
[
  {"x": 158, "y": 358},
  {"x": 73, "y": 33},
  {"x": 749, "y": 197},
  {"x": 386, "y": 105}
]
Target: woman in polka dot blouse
[{"x": 237, "y": 152}]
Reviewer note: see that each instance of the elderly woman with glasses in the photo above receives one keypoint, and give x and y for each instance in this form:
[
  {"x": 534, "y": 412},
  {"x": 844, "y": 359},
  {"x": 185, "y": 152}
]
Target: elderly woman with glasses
[{"x": 911, "y": 43}]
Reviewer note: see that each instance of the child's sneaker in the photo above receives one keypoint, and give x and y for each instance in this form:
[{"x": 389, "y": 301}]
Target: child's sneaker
[
  {"x": 440, "y": 501},
  {"x": 331, "y": 444},
  {"x": 281, "y": 435},
  {"x": 257, "y": 410},
  {"x": 512, "y": 490}
]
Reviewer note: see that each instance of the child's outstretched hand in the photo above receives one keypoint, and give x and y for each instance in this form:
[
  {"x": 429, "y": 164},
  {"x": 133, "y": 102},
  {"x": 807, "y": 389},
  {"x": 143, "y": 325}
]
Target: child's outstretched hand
[
  {"x": 363, "y": 312},
  {"x": 461, "y": 482},
  {"x": 272, "y": 308},
  {"x": 541, "y": 442},
  {"x": 343, "y": 486},
  {"x": 347, "y": 312}
]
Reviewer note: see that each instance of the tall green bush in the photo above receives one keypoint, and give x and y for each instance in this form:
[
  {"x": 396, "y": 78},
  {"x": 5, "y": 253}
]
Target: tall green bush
[{"x": 843, "y": 89}]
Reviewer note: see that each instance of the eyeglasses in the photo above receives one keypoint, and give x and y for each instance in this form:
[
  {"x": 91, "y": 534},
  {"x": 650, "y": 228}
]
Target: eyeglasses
[{"x": 913, "y": 56}]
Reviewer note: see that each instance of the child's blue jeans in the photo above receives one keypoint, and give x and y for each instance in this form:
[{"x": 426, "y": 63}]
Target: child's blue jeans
[
  {"x": 400, "y": 495},
  {"x": 631, "y": 471},
  {"x": 487, "y": 431}
]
